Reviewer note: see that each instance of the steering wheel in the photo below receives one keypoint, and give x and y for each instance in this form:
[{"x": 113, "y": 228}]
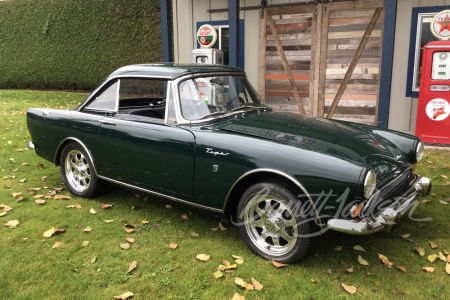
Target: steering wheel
[{"x": 232, "y": 101}]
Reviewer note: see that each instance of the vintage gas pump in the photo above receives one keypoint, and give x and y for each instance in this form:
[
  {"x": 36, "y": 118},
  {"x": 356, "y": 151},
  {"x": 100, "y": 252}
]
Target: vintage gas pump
[
  {"x": 207, "y": 37},
  {"x": 433, "y": 121}
]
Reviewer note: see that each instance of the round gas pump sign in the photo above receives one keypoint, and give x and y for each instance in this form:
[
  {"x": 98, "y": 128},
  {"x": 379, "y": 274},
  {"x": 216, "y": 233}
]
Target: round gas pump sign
[
  {"x": 206, "y": 35},
  {"x": 440, "y": 25},
  {"x": 438, "y": 109}
]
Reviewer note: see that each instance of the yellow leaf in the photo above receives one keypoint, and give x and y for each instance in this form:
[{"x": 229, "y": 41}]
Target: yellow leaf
[
  {"x": 130, "y": 240},
  {"x": 38, "y": 196},
  {"x": 132, "y": 266},
  {"x": 49, "y": 233},
  {"x": 195, "y": 234},
  {"x": 236, "y": 257},
  {"x": 426, "y": 201},
  {"x": 428, "y": 269},
  {"x": 203, "y": 257},
  {"x": 145, "y": 222},
  {"x": 430, "y": 162},
  {"x": 249, "y": 287},
  {"x": 385, "y": 260},
  {"x": 362, "y": 261},
  {"x": 258, "y": 286},
  {"x": 56, "y": 245},
  {"x": 447, "y": 268},
  {"x": 6, "y": 208},
  {"x": 226, "y": 263},
  {"x": 128, "y": 230},
  {"x": 239, "y": 261},
  {"x": 25, "y": 164},
  {"x": 403, "y": 268},
  {"x": 233, "y": 266},
  {"x": 442, "y": 256},
  {"x": 349, "y": 270},
  {"x": 74, "y": 206},
  {"x": 15, "y": 195},
  {"x": 185, "y": 217},
  {"x": 173, "y": 245},
  {"x": 432, "y": 257},
  {"x": 218, "y": 274},
  {"x": 358, "y": 247},
  {"x": 92, "y": 211},
  {"x": 338, "y": 248},
  {"x": 87, "y": 229},
  {"x": 11, "y": 223},
  {"x": 108, "y": 221},
  {"x": 221, "y": 268},
  {"x": 240, "y": 282},
  {"x": 85, "y": 243},
  {"x": 350, "y": 289},
  {"x": 3, "y": 214},
  {"x": 443, "y": 202},
  {"x": 124, "y": 296},
  {"x": 405, "y": 236},
  {"x": 377, "y": 283},
  {"x": 223, "y": 228},
  {"x": 236, "y": 296},
  {"x": 105, "y": 205},
  {"x": 39, "y": 202},
  {"x": 278, "y": 265},
  {"x": 420, "y": 250},
  {"x": 61, "y": 197},
  {"x": 433, "y": 245},
  {"x": 443, "y": 176},
  {"x": 48, "y": 197},
  {"x": 168, "y": 206},
  {"x": 125, "y": 246}
]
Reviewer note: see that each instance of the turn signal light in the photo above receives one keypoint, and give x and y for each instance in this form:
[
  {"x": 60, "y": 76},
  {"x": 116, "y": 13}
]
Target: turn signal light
[{"x": 356, "y": 210}]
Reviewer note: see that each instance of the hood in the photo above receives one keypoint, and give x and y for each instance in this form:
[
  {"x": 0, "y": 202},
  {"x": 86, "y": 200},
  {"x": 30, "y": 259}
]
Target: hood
[{"x": 331, "y": 137}]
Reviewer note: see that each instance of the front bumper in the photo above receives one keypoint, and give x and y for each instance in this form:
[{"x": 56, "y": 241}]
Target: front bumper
[{"x": 386, "y": 218}]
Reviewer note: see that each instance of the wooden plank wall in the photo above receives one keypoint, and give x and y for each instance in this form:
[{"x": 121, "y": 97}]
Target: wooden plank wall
[
  {"x": 294, "y": 31},
  {"x": 359, "y": 101}
]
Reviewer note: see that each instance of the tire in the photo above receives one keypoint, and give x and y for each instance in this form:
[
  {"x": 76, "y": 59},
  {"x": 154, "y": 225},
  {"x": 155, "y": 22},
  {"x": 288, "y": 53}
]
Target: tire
[
  {"x": 272, "y": 224},
  {"x": 78, "y": 172}
]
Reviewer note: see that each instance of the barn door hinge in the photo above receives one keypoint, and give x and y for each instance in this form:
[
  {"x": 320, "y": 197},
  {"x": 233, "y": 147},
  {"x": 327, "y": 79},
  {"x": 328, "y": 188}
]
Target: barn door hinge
[
  {"x": 325, "y": 2},
  {"x": 263, "y": 5}
]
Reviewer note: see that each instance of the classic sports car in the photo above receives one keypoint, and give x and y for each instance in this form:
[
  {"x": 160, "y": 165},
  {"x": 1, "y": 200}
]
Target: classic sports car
[{"x": 199, "y": 135}]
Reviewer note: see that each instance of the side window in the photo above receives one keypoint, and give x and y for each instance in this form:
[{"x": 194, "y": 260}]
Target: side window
[
  {"x": 143, "y": 97},
  {"x": 106, "y": 100}
]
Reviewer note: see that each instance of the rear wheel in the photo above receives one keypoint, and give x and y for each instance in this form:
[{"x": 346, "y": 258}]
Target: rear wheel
[
  {"x": 77, "y": 171},
  {"x": 272, "y": 223}
]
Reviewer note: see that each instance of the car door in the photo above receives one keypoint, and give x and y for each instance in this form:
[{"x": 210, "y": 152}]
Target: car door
[{"x": 140, "y": 146}]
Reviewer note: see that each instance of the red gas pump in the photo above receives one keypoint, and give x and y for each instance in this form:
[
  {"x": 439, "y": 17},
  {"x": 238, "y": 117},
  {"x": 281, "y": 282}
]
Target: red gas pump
[{"x": 433, "y": 121}]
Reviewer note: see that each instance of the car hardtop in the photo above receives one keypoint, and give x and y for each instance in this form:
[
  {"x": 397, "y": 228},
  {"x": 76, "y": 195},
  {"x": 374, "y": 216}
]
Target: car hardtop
[{"x": 171, "y": 71}]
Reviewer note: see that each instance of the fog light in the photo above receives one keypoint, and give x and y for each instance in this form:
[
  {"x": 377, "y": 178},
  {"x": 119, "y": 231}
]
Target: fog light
[{"x": 356, "y": 210}]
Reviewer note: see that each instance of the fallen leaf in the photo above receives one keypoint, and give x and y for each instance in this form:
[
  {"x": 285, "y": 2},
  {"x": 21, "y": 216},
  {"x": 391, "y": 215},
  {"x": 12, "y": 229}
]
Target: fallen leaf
[
  {"x": 420, "y": 250},
  {"x": 11, "y": 223},
  {"x": 442, "y": 256},
  {"x": 125, "y": 246},
  {"x": 173, "y": 245},
  {"x": 233, "y": 266},
  {"x": 203, "y": 257},
  {"x": 128, "y": 230},
  {"x": 239, "y": 261},
  {"x": 426, "y": 201},
  {"x": 25, "y": 164},
  {"x": 447, "y": 268},
  {"x": 132, "y": 266},
  {"x": 168, "y": 206},
  {"x": 433, "y": 245},
  {"x": 49, "y": 233},
  {"x": 236, "y": 256},
  {"x": 258, "y": 286},
  {"x": 350, "y": 270},
  {"x": 85, "y": 243},
  {"x": 236, "y": 296},
  {"x": 195, "y": 234},
  {"x": 74, "y": 206},
  {"x": 57, "y": 245},
  {"x": 377, "y": 283},
  {"x": 278, "y": 265},
  {"x": 124, "y": 296},
  {"x": 443, "y": 176},
  {"x": 443, "y": 202},
  {"x": 184, "y": 217},
  {"x": 338, "y": 248},
  {"x": 432, "y": 257},
  {"x": 240, "y": 282},
  {"x": 145, "y": 222},
  {"x": 421, "y": 225},
  {"x": 130, "y": 240},
  {"x": 87, "y": 229},
  {"x": 22, "y": 180},
  {"x": 93, "y": 260},
  {"x": 3, "y": 213},
  {"x": 108, "y": 221},
  {"x": 403, "y": 268},
  {"x": 61, "y": 197},
  {"x": 92, "y": 211},
  {"x": 15, "y": 195},
  {"x": 38, "y": 196},
  {"x": 385, "y": 260},
  {"x": 428, "y": 269},
  {"x": 48, "y": 197},
  {"x": 362, "y": 261},
  {"x": 358, "y": 247},
  {"x": 43, "y": 178},
  {"x": 6, "y": 208},
  {"x": 430, "y": 162},
  {"x": 329, "y": 271},
  {"x": 350, "y": 289},
  {"x": 40, "y": 166},
  {"x": 215, "y": 229},
  {"x": 155, "y": 225},
  {"x": 58, "y": 189},
  {"x": 223, "y": 228},
  {"x": 221, "y": 268},
  {"x": 226, "y": 263},
  {"x": 218, "y": 274},
  {"x": 39, "y": 202},
  {"x": 104, "y": 205}
]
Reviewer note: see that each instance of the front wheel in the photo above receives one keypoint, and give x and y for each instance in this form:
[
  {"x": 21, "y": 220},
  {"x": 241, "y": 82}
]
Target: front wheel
[
  {"x": 272, "y": 224},
  {"x": 77, "y": 171}
]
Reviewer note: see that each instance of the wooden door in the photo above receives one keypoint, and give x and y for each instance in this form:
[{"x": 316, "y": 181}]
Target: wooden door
[{"x": 328, "y": 62}]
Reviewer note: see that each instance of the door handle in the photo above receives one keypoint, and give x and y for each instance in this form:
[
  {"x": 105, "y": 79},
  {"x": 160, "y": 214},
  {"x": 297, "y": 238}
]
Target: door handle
[{"x": 108, "y": 123}]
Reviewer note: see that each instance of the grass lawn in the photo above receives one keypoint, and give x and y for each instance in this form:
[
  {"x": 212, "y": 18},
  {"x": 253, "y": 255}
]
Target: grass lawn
[{"x": 30, "y": 268}]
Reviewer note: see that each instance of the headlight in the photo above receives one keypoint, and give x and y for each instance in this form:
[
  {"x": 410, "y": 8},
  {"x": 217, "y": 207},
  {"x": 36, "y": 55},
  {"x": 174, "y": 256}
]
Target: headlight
[
  {"x": 419, "y": 151},
  {"x": 370, "y": 184}
]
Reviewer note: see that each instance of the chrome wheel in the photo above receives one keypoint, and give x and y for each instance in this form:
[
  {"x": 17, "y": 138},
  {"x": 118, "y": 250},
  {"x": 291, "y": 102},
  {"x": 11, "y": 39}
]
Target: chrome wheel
[
  {"x": 77, "y": 170},
  {"x": 271, "y": 224}
]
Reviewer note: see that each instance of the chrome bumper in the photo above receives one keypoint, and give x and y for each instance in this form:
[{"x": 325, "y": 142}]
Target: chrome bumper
[{"x": 387, "y": 218}]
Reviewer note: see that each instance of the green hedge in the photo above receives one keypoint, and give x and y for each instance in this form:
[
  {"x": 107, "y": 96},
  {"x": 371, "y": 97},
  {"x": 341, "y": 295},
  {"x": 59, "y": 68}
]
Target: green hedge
[{"x": 74, "y": 44}]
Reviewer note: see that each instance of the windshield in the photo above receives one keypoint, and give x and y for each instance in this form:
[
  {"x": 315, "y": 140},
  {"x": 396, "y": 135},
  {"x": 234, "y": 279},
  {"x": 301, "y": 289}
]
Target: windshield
[{"x": 206, "y": 97}]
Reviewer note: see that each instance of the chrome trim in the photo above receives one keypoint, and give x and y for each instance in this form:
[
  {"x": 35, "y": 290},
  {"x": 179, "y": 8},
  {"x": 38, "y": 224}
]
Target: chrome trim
[
  {"x": 385, "y": 219},
  {"x": 82, "y": 145},
  {"x": 160, "y": 195},
  {"x": 377, "y": 192},
  {"x": 433, "y": 47},
  {"x": 108, "y": 80},
  {"x": 107, "y": 122},
  {"x": 292, "y": 179},
  {"x": 30, "y": 146}
]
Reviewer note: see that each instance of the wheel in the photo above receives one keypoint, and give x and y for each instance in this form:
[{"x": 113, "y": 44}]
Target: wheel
[
  {"x": 77, "y": 171},
  {"x": 272, "y": 224}
]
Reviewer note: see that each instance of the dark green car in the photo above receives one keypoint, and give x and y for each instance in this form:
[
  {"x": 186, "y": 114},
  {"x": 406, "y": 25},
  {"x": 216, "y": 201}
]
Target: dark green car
[{"x": 199, "y": 135}]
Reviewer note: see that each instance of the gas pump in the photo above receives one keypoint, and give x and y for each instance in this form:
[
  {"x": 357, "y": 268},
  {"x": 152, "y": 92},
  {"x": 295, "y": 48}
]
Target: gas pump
[{"x": 433, "y": 121}]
